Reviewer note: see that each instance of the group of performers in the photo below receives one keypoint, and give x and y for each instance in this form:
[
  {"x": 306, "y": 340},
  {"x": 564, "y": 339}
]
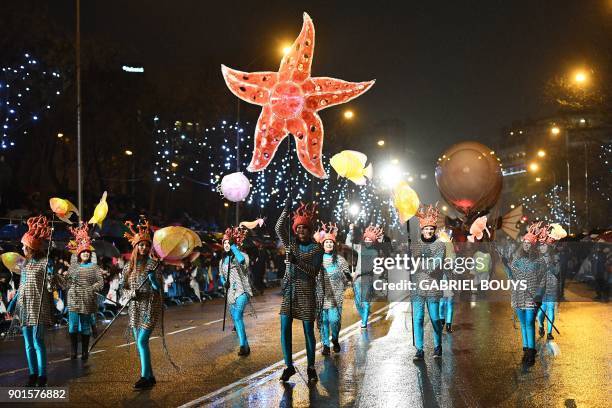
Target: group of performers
[{"x": 313, "y": 287}]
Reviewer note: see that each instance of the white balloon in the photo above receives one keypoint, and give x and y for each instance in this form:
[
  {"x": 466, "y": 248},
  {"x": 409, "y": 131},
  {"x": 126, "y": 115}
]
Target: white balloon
[{"x": 235, "y": 187}]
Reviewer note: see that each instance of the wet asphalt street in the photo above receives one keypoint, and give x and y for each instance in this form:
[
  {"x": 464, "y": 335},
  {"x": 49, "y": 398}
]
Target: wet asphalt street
[{"x": 480, "y": 366}]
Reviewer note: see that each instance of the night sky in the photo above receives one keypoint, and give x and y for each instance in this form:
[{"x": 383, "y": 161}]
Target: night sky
[{"x": 450, "y": 70}]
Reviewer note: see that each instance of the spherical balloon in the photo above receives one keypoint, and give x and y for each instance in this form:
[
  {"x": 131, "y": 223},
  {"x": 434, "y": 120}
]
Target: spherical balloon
[
  {"x": 405, "y": 200},
  {"x": 175, "y": 243},
  {"x": 235, "y": 187},
  {"x": 469, "y": 177}
]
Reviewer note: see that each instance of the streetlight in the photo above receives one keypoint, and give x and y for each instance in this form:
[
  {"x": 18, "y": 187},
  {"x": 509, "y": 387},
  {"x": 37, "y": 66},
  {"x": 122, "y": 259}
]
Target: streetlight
[
  {"x": 394, "y": 161},
  {"x": 60, "y": 135},
  {"x": 285, "y": 49},
  {"x": 580, "y": 77},
  {"x": 534, "y": 167},
  {"x": 391, "y": 174},
  {"x": 348, "y": 114},
  {"x": 381, "y": 143},
  {"x": 555, "y": 130},
  {"x": 354, "y": 209},
  {"x": 129, "y": 153},
  {"x": 538, "y": 179},
  {"x": 541, "y": 153}
]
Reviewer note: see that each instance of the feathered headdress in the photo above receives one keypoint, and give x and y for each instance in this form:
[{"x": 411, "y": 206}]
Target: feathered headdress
[
  {"x": 428, "y": 215},
  {"x": 533, "y": 232},
  {"x": 38, "y": 231},
  {"x": 325, "y": 232},
  {"x": 235, "y": 235},
  {"x": 304, "y": 215},
  {"x": 81, "y": 241},
  {"x": 141, "y": 233},
  {"x": 372, "y": 233}
]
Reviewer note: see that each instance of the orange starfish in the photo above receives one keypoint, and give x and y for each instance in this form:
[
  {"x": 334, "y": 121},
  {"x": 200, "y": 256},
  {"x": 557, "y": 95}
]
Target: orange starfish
[{"x": 291, "y": 99}]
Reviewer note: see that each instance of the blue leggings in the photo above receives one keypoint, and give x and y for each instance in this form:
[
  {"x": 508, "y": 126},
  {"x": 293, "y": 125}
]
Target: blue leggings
[
  {"x": 527, "y": 319},
  {"x": 79, "y": 323},
  {"x": 141, "y": 337},
  {"x": 330, "y": 318},
  {"x": 36, "y": 352},
  {"x": 447, "y": 309},
  {"x": 418, "y": 320},
  {"x": 286, "y": 333},
  {"x": 549, "y": 309},
  {"x": 237, "y": 312},
  {"x": 361, "y": 304}
]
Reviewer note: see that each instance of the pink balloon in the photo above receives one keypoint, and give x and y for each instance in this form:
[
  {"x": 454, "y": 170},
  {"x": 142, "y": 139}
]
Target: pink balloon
[{"x": 235, "y": 187}]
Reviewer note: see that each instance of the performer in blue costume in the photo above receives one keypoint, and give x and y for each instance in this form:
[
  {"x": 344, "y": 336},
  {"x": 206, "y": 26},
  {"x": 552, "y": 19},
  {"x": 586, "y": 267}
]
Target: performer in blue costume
[
  {"x": 429, "y": 272},
  {"x": 235, "y": 278},
  {"x": 303, "y": 264},
  {"x": 331, "y": 284},
  {"x": 525, "y": 267},
  {"x": 362, "y": 275},
  {"x": 32, "y": 305},
  {"x": 550, "y": 263},
  {"x": 145, "y": 307}
]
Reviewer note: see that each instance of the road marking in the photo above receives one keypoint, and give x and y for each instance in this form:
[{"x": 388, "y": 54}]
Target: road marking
[
  {"x": 133, "y": 342},
  {"x": 213, "y": 322},
  {"x": 50, "y": 362},
  {"x": 181, "y": 330},
  {"x": 299, "y": 357}
]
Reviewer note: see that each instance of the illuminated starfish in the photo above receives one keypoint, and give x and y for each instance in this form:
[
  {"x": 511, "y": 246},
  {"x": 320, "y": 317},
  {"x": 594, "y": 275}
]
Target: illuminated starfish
[{"x": 291, "y": 99}]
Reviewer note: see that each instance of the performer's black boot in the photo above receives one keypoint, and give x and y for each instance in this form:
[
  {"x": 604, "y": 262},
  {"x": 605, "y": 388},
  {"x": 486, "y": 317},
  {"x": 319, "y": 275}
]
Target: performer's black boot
[
  {"x": 144, "y": 383},
  {"x": 420, "y": 355},
  {"x": 525, "y": 352},
  {"x": 541, "y": 331},
  {"x": 336, "y": 347},
  {"x": 84, "y": 347},
  {"x": 32, "y": 380},
  {"x": 449, "y": 328},
  {"x": 244, "y": 351},
  {"x": 74, "y": 345},
  {"x": 287, "y": 373},
  {"x": 325, "y": 351},
  {"x": 42, "y": 381},
  {"x": 312, "y": 375},
  {"x": 438, "y": 352},
  {"x": 531, "y": 353},
  {"x": 549, "y": 336}
]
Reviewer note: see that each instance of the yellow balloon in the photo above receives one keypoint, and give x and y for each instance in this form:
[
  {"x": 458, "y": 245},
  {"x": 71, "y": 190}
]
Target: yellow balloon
[
  {"x": 405, "y": 200},
  {"x": 175, "y": 243},
  {"x": 63, "y": 209},
  {"x": 100, "y": 212},
  {"x": 12, "y": 261}
]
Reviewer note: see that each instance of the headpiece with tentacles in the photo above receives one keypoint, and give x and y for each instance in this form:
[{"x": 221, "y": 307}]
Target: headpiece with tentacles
[
  {"x": 551, "y": 233},
  {"x": 81, "y": 241},
  {"x": 373, "y": 233},
  {"x": 326, "y": 232},
  {"x": 533, "y": 232},
  {"x": 142, "y": 232},
  {"x": 304, "y": 215},
  {"x": 38, "y": 231},
  {"x": 428, "y": 215},
  {"x": 235, "y": 235}
]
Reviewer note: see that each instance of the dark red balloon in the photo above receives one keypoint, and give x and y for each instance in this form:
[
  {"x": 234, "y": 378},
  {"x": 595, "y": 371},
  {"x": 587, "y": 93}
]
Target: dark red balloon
[{"x": 469, "y": 177}]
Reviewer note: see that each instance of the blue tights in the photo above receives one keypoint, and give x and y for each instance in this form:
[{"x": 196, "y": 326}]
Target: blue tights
[
  {"x": 527, "y": 319},
  {"x": 361, "y": 304},
  {"x": 418, "y": 320},
  {"x": 79, "y": 323},
  {"x": 142, "y": 342},
  {"x": 447, "y": 309},
  {"x": 330, "y": 318},
  {"x": 549, "y": 308},
  {"x": 286, "y": 322},
  {"x": 237, "y": 312},
  {"x": 36, "y": 352}
]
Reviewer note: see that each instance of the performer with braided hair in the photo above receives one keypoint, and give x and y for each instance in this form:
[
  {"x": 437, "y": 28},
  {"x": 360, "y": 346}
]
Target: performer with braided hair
[
  {"x": 141, "y": 284},
  {"x": 82, "y": 280},
  {"x": 427, "y": 278},
  {"x": 32, "y": 305},
  {"x": 298, "y": 285},
  {"x": 331, "y": 284},
  {"x": 363, "y": 275},
  {"x": 235, "y": 278}
]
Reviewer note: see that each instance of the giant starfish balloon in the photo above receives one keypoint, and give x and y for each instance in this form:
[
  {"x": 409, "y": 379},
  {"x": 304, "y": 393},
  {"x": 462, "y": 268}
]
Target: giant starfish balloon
[{"x": 291, "y": 99}]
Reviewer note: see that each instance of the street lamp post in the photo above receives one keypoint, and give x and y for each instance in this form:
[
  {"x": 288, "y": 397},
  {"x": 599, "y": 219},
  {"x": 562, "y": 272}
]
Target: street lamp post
[{"x": 78, "y": 86}]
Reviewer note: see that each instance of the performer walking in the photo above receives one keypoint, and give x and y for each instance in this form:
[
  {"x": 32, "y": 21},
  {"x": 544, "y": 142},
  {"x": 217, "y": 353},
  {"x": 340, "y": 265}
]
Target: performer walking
[
  {"x": 82, "y": 280},
  {"x": 235, "y": 278},
  {"x": 363, "y": 275},
  {"x": 331, "y": 284},
  {"x": 298, "y": 285},
  {"x": 428, "y": 274},
  {"x": 33, "y": 304},
  {"x": 526, "y": 270},
  {"x": 551, "y": 276},
  {"x": 141, "y": 285}
]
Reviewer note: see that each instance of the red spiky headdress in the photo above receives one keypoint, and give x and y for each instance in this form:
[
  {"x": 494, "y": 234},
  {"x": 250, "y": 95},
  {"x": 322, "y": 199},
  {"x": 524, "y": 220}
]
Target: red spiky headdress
[
  {"x": 235, "y": 235},
  {"x": 141, "y": 233},
  {"x": 373, "y": 233},
  {"x": 304, "y": 215},
  {"x": 81, "y": 241},
  {"x": 38, "y": 231},
  {"x": 428, "y": 215},
  {"x": 325, "y": 232},
  {"x": 533, "y": 233}
]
